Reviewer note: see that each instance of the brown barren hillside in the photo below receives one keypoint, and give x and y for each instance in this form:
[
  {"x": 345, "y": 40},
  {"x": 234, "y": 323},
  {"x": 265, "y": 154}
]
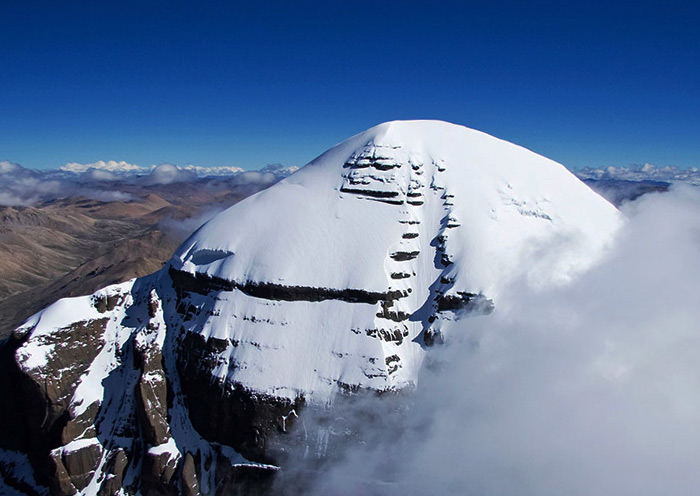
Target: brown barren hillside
[{"x": 75, "y": 245}]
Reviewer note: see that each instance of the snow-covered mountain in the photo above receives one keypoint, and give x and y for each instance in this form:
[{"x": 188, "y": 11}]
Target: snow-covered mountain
[{"x": 337, "y": 279}]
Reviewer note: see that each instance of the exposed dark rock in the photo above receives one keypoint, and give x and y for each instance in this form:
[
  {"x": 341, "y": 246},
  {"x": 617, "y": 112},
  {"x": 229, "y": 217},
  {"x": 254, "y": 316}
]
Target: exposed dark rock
[
  {"x": 81, "y": 464},
  {"x": 58, "y": 477},
  {"x": 402, "y": 256},
  {"x": 114, "y": 474},
  {"x": 244, "y": 480},
  {"x": 432, "y": 337},
  {"x": 81, "y": 426},
  {"x": 188, "y": 476},
  {"x": 387, "y": 312},
  {"x": 228, "y": 413},
  {"x": 75, "y": 348},
  {"x": 390, "y": 201},
  {"x": 471, "y": 302},
  {"x": 378, "y": 163},
  {"x": 153, "y": 305},
  {"x": 151, "y": 398},
  {"x": 203, "y": 284},
  {"x": 392, "y": 363},
  {"x": 107, "y": 303},
  {"x": 400, "y": 275},
  {"x": 33, "y": 404},
  {"x": 446, "y": 260},
  {"x": 395, "y": 335},
  {"x": 385, "y": 166},
  {"x": 370, "y": 192},
  {"x": 158, "y": 475}
]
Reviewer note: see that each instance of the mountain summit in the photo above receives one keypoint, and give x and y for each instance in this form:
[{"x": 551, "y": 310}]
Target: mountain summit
[
  {"x": 335, "y": 280},
  {"x": 390, "y": 235}
]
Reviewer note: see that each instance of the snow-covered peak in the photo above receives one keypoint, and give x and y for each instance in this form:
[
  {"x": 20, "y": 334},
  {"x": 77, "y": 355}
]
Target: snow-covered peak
[
  {"x": 392, "y": 234},
  {"x": 350, "y": 207},
  {"x": 337, "y": 279}
]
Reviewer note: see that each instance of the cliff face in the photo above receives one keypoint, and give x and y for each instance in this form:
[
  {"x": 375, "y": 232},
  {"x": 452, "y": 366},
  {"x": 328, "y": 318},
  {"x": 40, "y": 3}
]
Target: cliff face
[
  {"x": 332, "y": 283},
  {"x": 98, "y": 404}
]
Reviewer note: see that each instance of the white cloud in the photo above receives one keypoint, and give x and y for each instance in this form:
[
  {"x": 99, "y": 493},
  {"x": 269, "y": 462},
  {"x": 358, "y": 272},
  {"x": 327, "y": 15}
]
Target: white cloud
[
  {"x": 592, "y": 389},
  {"x": 99, "y": 175},
  {"x": 11, "y": 200},
  {"x": 646, "y": 172},
  {"x": 169, "y": 173},
  {"x": 109, "y": 165},
  {"x": 127, "y": 169},
  {"x": 254, "y": 177},
  {"x": 279, "y": 169},
  {"x": 21, "y": 187},
  {"x": 182, "y": 228},
  {"x": 7, "y": 167}
]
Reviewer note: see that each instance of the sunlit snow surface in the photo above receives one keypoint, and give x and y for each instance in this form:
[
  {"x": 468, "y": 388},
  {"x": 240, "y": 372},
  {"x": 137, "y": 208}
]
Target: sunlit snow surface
[
  {"x": 495, "y": 211},
  {"x": 498, "y": 211}
]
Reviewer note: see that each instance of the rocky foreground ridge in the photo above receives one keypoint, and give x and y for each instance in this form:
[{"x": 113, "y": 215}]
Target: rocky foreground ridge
[{"x": 332, "y": 283}]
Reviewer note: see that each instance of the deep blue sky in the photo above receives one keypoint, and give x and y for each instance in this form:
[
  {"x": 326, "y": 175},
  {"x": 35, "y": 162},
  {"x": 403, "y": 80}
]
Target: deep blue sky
[{"x": 252, "y": 83}]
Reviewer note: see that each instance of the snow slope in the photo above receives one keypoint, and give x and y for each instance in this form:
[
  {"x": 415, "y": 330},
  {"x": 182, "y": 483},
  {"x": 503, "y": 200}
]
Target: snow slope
[{"x": 471, "y": 212}]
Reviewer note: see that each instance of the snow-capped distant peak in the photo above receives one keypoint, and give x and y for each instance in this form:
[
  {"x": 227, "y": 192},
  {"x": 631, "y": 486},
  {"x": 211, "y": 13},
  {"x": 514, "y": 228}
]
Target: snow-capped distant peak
[{"x": 108, "y": 165}]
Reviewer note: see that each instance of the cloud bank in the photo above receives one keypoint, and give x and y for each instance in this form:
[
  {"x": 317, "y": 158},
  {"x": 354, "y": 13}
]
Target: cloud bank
[
  {"x": 592, "y": 389},
  {"x": 109, "y": 165},
  {"x": 116, "y": 180},
  {"x": 20, "y": 186},
  {"x": 127, "y": 169},
  {"x": 168, "y": 174},
  {"x": 646, "y": 172}
]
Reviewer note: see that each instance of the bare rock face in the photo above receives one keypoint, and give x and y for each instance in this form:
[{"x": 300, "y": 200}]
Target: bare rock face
[
  {"x": 114, "y": 473},
  {"x": 98, "y": 405},
  {"x": 80, "y": 465},
  {"x": 39, "y": 417},
  {"x": 152, "y": 397},
  {"x": 228, "y": 413},
  {"x": 332, "y": 285}
]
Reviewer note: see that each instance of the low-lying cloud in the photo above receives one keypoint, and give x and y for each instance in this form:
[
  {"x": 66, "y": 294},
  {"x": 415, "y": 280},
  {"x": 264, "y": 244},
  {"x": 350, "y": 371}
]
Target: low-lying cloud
[
  {"x": 20, "y": 186},
  {"x": 181, "y": 228},
  {"x": 591, "y": 389},
  {"x": 117, "y": 180},
  {"x": 646, "y": 172},
  {"x": 168, "y": 174}
]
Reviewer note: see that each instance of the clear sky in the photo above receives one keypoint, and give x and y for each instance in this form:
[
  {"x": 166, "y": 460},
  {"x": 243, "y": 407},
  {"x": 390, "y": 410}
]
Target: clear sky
[{"x": 251, "y": 83}]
